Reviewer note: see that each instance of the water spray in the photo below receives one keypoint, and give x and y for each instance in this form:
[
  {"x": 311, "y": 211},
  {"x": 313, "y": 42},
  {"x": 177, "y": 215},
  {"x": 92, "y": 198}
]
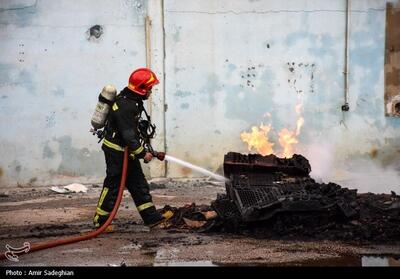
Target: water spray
[{"x": 195, "y": 168}]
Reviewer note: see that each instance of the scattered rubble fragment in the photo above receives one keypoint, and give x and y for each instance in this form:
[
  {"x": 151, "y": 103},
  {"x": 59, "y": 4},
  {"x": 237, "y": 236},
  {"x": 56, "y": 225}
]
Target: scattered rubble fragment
[
  {"x": 267, "y": 196},
  {"x": 71, "y": 188},
  {"x": 76, "y": 188}
]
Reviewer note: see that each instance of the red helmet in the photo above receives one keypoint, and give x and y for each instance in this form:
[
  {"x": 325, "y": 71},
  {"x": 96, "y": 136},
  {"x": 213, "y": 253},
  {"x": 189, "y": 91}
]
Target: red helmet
[{"x": 141, "y": 81}]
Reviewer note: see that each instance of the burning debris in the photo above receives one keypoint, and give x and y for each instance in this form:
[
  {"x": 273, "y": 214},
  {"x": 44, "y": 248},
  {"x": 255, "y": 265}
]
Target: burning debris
[{"x": 269, "y": 196}]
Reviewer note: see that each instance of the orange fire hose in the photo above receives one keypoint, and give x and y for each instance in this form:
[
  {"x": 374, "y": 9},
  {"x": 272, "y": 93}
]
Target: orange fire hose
[{"x": 59, "y": 242}]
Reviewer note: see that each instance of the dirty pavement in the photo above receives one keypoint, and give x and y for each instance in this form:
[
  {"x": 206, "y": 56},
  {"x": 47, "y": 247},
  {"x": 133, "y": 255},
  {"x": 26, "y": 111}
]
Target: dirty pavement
[{"x": 196, "y": 236}]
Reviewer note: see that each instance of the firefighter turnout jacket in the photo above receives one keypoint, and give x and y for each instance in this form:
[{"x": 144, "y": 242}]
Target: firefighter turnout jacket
[
  {"x": 122, "y": 131},
  {"x": 122, "y": 126}
]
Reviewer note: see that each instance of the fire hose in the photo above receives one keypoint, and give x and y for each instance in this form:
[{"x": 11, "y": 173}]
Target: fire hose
[{"x": 73, "y": 239}]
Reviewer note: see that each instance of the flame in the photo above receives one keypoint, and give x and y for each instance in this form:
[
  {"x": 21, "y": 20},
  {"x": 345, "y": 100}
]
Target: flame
[
  {"x": 286, "y": 139},
  {"x": 258, "y": 138}
]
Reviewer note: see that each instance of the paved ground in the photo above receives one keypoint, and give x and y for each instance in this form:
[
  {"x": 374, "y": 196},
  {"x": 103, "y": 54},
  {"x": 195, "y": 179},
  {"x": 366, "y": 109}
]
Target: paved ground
[{"x": 37, "y": 215}]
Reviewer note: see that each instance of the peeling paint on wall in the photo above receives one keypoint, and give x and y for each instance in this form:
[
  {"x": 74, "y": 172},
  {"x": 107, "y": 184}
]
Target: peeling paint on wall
[
  {"x": 51, "y": 75},
  {"x": 12, "y": 76},
  {"x": 221, "y": 78},
  {"x": 299, "y": 59},
  {"x": 20, "y": 13},
  {"x": 185, "y": 106},
  {"x": 78, "y": 162},
  {"x": 182, "y": 94},
  {"x": 59, "y": 92},
  {"x": 48, "y": 153},
  {"x": 210, "y": 88}
]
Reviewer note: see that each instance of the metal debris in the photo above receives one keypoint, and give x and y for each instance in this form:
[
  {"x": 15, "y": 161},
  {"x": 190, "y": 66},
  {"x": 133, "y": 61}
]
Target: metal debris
[{"x": 268, "y": 196}]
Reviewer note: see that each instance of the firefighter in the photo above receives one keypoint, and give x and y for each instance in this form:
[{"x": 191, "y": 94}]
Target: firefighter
[{"x": 122, "y": 130}]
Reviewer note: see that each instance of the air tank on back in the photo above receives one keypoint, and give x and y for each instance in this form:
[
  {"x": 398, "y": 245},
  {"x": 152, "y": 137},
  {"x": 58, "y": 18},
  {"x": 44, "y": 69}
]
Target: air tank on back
[{"x": 106, "y": 100}]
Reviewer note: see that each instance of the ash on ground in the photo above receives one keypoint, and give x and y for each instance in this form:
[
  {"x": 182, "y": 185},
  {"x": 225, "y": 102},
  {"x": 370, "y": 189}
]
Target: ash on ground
[{"x": 267, "y": 196}]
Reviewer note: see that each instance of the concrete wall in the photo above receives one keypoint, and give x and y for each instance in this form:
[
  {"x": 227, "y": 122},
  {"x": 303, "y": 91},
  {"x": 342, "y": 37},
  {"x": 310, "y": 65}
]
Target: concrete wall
[
  {"x": 224, "y": 67},
  {"x": 51, "y": 72},
  {"x": 232, "y": 65}
]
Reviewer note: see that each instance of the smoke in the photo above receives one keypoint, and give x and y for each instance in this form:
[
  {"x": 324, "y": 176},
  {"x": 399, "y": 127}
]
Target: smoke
[
  {"x": 367, "y": 176},
  {"x": 321, "y": 159},
  {"x": 362, "y": 174}
]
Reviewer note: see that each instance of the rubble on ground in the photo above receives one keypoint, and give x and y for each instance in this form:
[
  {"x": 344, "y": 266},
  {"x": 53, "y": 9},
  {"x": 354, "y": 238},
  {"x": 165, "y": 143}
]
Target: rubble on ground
[{"x": 267, "y": 196}]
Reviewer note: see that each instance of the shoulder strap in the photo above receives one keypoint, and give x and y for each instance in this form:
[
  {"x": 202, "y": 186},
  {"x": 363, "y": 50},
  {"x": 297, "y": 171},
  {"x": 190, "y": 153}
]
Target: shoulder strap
[{"x": 145, "y": 112}]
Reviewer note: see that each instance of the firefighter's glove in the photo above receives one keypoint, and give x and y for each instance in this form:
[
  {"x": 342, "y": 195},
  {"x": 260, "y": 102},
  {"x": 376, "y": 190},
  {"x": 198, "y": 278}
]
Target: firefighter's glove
[{"x": 147, "y": 157}]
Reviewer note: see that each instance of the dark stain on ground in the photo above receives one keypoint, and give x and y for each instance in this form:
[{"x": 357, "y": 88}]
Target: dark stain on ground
[{"x": 1, "y": 172}]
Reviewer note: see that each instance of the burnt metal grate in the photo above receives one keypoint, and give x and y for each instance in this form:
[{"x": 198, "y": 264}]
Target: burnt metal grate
[
  {"x": 258, "y": 197},
  {"x": 254, "y": 180}
]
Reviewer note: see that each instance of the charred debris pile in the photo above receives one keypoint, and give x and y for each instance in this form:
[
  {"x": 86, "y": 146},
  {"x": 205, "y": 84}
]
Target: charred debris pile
[{"x": 267, "y": 196}]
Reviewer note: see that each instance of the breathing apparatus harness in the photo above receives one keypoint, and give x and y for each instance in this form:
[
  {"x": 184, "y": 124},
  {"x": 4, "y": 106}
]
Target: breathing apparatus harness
[{"x": 146, "y": 129}]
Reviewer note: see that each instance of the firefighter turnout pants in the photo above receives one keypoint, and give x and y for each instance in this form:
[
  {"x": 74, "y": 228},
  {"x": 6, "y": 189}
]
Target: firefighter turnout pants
[{"x": 136, "y": 184}]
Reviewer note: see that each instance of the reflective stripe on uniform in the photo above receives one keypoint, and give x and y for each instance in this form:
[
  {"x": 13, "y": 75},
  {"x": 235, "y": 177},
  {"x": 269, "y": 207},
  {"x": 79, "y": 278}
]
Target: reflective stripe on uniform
[
  {"x": 120, "y": 148},
  {"x": 138, "y": 150},
  {"x": 115, "y": 106},
  {"x": 102, "y": 196},
  {"x": 96, "y": 221},
  {"x": 113, "y": 145},
  {"x": 144, "y": 206},
  {"x": 102, "y": 212}
]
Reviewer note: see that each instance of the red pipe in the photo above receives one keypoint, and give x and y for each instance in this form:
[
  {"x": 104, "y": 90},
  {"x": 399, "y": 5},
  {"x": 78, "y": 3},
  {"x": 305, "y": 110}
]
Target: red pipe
[{"x": 59, "y": 242}]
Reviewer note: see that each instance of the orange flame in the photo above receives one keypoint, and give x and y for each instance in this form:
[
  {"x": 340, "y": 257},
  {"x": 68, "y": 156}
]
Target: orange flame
[
  {"x": 286, "y": 139},
  {"x": 258, "y": 139}
]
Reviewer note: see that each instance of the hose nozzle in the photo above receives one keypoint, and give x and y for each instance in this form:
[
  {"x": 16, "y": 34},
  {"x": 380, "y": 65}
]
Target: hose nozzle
[{"x": 160, "y": 155}]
